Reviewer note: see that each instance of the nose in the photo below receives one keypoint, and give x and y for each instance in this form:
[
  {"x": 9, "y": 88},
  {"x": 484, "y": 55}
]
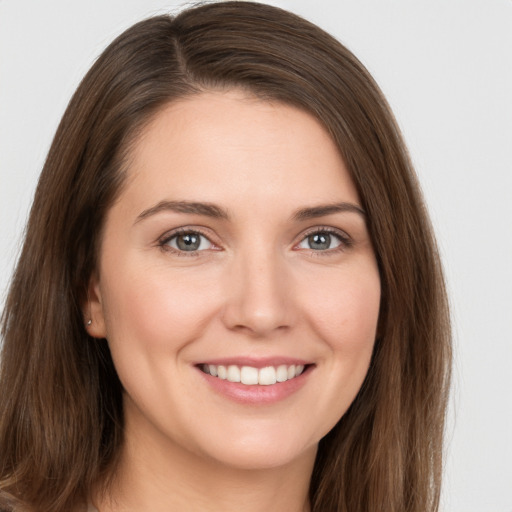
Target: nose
[{"x": 259, "y": 295}]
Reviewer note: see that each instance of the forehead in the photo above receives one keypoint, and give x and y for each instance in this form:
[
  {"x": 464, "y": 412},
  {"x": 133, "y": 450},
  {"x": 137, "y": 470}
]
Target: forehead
[{"x": 234, "y": 145}]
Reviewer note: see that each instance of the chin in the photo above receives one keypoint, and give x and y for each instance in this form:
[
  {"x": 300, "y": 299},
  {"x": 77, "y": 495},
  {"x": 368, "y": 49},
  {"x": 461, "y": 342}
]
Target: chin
[{"x": 254, "y": 451}]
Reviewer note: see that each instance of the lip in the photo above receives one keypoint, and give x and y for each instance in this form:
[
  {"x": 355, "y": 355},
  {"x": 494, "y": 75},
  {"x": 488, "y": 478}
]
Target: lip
[{"x": 256, "y": 394}]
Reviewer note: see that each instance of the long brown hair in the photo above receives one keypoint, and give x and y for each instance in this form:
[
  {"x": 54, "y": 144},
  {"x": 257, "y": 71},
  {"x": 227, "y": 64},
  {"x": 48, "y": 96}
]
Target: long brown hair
[{"x": 61, "y": 417}]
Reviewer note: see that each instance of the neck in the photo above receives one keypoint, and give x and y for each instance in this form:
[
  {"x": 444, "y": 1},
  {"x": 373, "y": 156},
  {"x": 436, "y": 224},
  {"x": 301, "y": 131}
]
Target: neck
[{"x": 162, "y": 476}]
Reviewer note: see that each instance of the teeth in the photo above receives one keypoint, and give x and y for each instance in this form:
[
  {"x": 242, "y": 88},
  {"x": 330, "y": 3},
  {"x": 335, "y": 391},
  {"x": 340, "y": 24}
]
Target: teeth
[
  {"x": 282, "y": 373},
  {"x": 222, "y": 373},
  {"x": 233, "y": 373},
  {"x": 251, "y": 376},
  {"x": 267, "y": 376}
]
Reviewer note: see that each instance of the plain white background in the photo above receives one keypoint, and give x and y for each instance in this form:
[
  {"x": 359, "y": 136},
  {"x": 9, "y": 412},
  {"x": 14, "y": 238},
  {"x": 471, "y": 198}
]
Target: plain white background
[{"x": 445, "y": 67}]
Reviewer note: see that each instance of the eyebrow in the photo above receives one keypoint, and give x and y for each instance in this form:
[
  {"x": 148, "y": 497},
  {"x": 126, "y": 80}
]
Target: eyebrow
[
  {"x": 216, "y": 212},
  {"x": 198, "y": 208},
  {"x": 327, "y": 209}
]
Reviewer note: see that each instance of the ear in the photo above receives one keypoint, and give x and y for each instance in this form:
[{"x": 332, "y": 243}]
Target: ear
[{"x": 93, "y": 311}]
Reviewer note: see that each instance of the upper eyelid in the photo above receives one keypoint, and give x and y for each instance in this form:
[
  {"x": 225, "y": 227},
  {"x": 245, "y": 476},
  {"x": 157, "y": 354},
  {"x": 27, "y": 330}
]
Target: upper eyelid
[
  {"x": 346, "y": 241},
  {"x": 326, "y": 229},
  {"x": 168, "y": 235},
  {"x": 163, "y": 242}
]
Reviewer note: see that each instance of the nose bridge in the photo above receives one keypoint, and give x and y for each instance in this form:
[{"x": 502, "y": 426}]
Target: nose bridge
[{"x": 258, "y": 298}]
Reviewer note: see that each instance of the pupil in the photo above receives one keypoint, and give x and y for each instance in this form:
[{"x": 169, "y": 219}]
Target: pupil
[
  {"x": 188, "y": 242},
  {"x": 319, "y": 241}
]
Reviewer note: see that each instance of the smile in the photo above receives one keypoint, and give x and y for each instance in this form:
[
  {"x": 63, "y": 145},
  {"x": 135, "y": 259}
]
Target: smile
[{"x": 251, "y": 376}]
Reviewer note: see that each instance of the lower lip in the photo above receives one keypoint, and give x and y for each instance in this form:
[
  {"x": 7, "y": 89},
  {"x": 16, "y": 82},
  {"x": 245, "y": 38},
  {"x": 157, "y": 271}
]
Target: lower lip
[{"x": 256, "y": 394}]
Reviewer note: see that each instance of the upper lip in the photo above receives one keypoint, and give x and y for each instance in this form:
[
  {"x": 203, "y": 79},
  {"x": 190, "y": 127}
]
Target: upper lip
[{"x": 256, "y": 362}]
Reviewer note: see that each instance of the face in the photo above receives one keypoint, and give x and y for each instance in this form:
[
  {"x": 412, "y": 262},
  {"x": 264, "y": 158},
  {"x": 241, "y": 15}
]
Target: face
[{"x": 237, "y": 251}]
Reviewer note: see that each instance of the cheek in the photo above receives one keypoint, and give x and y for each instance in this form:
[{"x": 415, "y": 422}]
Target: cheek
[
  {"x": 149, "y": 307},
  {"x": 345, "y": 319},
  {"x": 346, "y": 308},
  {"x": 339, "y": 309}
]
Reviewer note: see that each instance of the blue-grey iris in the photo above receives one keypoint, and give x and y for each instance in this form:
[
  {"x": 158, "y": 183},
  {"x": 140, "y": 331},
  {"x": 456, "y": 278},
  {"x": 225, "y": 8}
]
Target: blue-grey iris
[
  {"x": 188, "y": 242},
  {"x": 319, "y": 241}
]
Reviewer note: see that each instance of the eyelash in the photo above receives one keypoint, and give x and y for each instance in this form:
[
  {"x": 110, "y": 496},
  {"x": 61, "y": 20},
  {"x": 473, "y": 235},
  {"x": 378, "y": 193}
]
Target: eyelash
[
  {"x": 165, "y": 239},
  {"x": 345, "y": 241}
]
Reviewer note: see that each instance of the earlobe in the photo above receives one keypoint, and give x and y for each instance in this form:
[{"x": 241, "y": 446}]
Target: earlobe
[{"x": 93, "y": 311}]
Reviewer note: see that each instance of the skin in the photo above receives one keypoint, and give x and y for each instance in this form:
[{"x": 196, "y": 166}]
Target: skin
[{"x": 255, "y": 288}]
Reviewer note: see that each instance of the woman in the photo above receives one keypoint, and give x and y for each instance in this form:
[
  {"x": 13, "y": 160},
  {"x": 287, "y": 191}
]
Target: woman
[{"x": 229, "y": 295}]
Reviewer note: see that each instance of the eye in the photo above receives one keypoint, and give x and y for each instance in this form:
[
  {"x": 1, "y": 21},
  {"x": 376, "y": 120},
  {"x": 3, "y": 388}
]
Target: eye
[
  {"x": 323, "y": 240},
  {"x": 187, "y": 241}
]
